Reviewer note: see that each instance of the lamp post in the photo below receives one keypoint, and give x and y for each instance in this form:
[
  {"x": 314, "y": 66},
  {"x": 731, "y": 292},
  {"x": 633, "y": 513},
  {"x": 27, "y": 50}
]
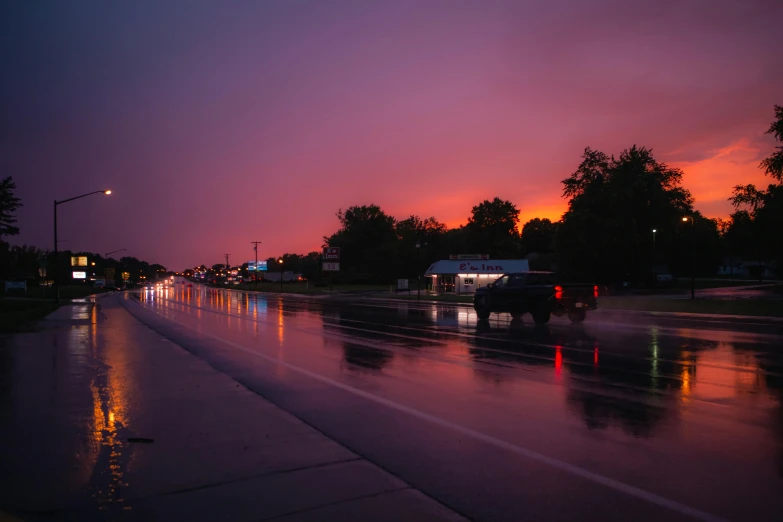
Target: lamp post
[
  {"x": 107, "y": 254},
  {"x": 280, "y": 262},
  {"x": 56, "y": 256},
  {"x": 654, "y": 231},
  {"x": 418, "y": 286},
  {"x": 693, "y": 276}
]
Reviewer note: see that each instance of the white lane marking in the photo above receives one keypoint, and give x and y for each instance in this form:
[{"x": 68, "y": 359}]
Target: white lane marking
[{"x": 519, "y": 450}]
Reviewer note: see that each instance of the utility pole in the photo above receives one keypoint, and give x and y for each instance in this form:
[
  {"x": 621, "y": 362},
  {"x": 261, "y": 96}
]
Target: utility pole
[
  {"x": 255, "y": 247},
  {"x": 56, "y": 259},
  {"x": 693, "y": 274},
  {"x": 418, "y": 287},
  {"x": 227, "y": 265}
]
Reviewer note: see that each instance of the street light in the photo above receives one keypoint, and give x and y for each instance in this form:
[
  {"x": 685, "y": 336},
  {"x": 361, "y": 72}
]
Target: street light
[
  {"x": 56, "y": 256},
  {"x": 280, "y": 262},
  {"x": 107, "y": 254},
  {"x": 654, "y": 256},
  {"x": 693, "y": 276},
  {"x": 418, "y": 286}
]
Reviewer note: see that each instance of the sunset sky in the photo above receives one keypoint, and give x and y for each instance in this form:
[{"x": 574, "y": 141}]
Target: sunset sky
[{"x": 220, "y": 123}]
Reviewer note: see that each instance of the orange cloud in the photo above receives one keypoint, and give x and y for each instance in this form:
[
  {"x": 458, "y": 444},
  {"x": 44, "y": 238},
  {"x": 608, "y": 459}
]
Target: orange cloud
[{"x": 712, "y": 179}]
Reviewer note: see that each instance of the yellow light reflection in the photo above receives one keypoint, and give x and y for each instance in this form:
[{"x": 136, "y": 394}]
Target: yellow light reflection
[
  {"x": 686, "y": 380},
  {"x": 280, "y": 333}
]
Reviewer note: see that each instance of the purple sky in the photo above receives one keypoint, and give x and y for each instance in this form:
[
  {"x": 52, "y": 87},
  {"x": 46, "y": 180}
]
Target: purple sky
[{"x": 216, "y": 125}]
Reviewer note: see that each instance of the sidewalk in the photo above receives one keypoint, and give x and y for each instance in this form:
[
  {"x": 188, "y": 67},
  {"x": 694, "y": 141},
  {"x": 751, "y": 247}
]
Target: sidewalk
[{"x": 102, "y": 419}]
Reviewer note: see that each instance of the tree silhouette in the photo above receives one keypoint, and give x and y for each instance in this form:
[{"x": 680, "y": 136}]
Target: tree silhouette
[
  {"x": 773, "y": 165},
  {"x": 614, "y": 203},
  {"x": 538, "y": 235},
  {"x": 9, "y": 204},
  {"x": 492, "y": 229}
]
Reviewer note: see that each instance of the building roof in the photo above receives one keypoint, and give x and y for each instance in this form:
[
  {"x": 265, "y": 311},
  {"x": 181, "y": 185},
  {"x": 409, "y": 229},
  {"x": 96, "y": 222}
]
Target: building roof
[{"x": 484, "y": 266}]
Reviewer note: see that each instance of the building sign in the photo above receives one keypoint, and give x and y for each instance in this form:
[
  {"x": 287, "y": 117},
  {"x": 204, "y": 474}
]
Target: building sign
[
  {"x": 472, "y": 267},
  {"x": 332, "y": 253},
  {"x": 331, "y": 267},
  {"x": 469, "y": 256},
  {"x": 80, "y": 275},
  {"x": 16, "y": 285},
  {"x": 251, "y": 266},
  {"x": 79, "y": 261}
]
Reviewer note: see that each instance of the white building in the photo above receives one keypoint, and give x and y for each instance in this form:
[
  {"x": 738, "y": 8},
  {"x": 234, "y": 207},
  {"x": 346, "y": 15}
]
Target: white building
[{"x": 463, "y": 276}]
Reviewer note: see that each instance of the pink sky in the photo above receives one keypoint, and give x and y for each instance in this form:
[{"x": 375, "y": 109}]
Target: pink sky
[{"x": 216, "y": 127}]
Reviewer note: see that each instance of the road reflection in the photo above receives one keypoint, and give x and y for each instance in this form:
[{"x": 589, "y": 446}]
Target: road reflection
[
  {"x": 634, "y": 381},
  {"x": 642, "y": 381}
]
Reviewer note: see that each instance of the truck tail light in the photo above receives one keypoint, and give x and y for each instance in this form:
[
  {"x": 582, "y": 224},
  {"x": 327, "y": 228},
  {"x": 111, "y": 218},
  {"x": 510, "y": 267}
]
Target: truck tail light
[
  {"x": 558, "y": 292},
  {"x": 595, "y": 291}
]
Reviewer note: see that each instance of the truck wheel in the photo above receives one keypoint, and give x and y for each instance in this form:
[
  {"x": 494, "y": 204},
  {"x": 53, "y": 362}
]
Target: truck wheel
[
  {"x": 577, "y": 316},
  {"x": 541, "y": 316},
  {"x": 482, "y": 307}
]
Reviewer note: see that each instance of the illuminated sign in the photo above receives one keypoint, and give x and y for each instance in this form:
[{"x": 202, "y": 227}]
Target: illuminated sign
[
  {"x": 332, "y": 253},
  {"x": 80, "y": 275},
  {"x": 467, "y": 267},
  {"x": 79, "y": 261},
  {"x": 251, "y": 265}
]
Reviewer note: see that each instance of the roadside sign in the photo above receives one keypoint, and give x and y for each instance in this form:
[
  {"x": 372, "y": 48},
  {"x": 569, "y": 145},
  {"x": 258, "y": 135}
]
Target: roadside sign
[
  {"x": 251, "y": 266},
  {"x": 332, "y": 253},
  {"x": 402, "y": 284},
  {"x": 125, "y": 276},
  {"x": 331, "y": 267},
  {"x": 16, "y": 285}
]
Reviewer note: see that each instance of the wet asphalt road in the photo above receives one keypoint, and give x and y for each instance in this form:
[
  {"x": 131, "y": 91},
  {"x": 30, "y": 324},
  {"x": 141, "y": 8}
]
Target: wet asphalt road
[{"x": 628, "y": 417}]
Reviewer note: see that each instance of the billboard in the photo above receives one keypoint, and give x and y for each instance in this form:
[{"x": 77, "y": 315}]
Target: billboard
[
  {"x": 79, "y": 261},
  {"x": 80, "y": 275},
  {"x": 251, "y": 266}
]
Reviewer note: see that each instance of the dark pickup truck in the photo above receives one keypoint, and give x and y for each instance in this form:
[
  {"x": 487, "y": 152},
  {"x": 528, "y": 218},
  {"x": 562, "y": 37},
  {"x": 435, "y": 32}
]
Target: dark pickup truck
[{"x": 536, "y": 293}]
